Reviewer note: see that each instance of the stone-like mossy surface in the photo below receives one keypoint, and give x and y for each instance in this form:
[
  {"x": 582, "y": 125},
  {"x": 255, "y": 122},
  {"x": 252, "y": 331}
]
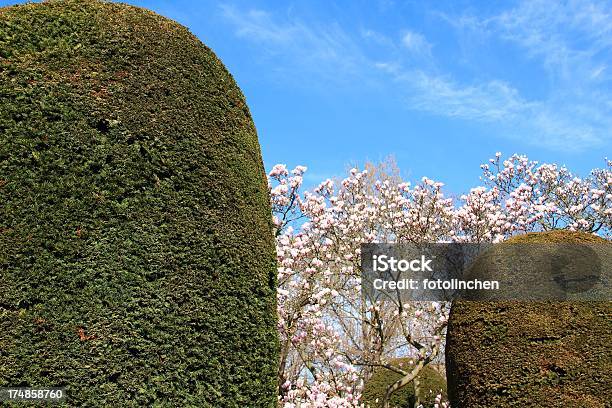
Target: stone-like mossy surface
[
  {"x": 432, "y": 383},
  {"x": 530, "y": 353},
  {"x": 137, "y": 262}
]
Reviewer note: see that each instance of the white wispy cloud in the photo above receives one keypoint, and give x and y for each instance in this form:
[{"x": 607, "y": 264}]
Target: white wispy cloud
[
  {"x": 415, "y": 42},
  {"x": 558, "y": 125},
  {"x": 572, "y": 42},
  {"x": 298, "y": 48},
  {"x": 492, "y": 101},
  {"x": 379, "y": 39},
  {"x": 567, "y": 37}
]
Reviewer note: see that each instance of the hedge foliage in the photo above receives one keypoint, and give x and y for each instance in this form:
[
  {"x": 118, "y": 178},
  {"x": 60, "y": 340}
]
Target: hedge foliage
[
  {"x": 530, "y": 353},
  {"x": 432, "y": 383},
  {"x": 137, "y": 262}
]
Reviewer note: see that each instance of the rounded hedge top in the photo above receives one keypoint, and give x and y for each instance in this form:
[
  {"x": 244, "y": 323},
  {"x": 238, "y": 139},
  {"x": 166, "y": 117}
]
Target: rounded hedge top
[
  {"x": 555, "y": 236},
  {"x": 552, "y": 265},
  {"x": 136, "y": 255}
]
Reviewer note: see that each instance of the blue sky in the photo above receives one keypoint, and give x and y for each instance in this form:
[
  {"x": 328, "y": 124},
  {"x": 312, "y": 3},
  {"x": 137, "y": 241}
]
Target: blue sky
[{"x": 441, "y": 85}]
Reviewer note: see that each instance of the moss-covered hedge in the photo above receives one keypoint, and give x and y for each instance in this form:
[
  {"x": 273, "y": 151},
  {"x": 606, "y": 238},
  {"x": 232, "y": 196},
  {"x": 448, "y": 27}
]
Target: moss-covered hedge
[
  {"x": 136, "y": 256},
  {"x": 530, "y": 354},
  {"x": 432, "y": 383}
]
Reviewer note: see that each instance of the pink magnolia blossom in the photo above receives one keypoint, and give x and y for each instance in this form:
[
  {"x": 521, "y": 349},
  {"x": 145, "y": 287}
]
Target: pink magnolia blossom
[{"x": 331, "y": 338}]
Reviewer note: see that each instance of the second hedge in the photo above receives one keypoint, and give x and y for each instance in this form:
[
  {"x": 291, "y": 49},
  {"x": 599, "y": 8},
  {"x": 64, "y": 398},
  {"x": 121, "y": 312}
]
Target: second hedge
[{"x": 530, "y": 353}]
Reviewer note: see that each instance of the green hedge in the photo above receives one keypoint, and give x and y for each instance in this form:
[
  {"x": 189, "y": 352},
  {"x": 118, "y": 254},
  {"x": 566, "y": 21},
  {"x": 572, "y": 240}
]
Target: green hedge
[
  {"x": 530, "y": 354},
  {"x": 432, "y": 383},
  {"x": 137, "y": 262}
]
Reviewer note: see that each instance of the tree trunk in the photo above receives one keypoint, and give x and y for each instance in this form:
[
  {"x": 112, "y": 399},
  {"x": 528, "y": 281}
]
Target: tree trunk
[{"x": 402, "y": 383}]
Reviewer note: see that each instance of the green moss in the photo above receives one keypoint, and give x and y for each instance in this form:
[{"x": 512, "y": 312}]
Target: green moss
[
  {"x": 432, "y": 383},
  {"x": 136, "y": 257},
  {"x": 530, "y": 354}
]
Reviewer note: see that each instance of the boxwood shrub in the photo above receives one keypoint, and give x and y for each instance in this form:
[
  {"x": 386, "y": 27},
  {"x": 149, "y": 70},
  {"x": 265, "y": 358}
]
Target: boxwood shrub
[{"x": 137, "y": 262}]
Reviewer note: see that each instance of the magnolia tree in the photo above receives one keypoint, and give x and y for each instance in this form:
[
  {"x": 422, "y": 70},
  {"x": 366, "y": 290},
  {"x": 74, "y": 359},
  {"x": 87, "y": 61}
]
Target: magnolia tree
[{"x": 332, "y": 336}]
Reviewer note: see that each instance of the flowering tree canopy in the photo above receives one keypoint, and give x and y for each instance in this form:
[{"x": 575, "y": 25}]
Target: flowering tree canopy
[{"x": 332, "y": 337}]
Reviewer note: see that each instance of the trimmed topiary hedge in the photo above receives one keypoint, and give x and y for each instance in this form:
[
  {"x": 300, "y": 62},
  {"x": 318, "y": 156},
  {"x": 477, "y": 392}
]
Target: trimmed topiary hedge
[
  {"x": 137, "y": 262},
  {"x": 530, "y": 353},
  {"x": 432, "y": 383}
]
